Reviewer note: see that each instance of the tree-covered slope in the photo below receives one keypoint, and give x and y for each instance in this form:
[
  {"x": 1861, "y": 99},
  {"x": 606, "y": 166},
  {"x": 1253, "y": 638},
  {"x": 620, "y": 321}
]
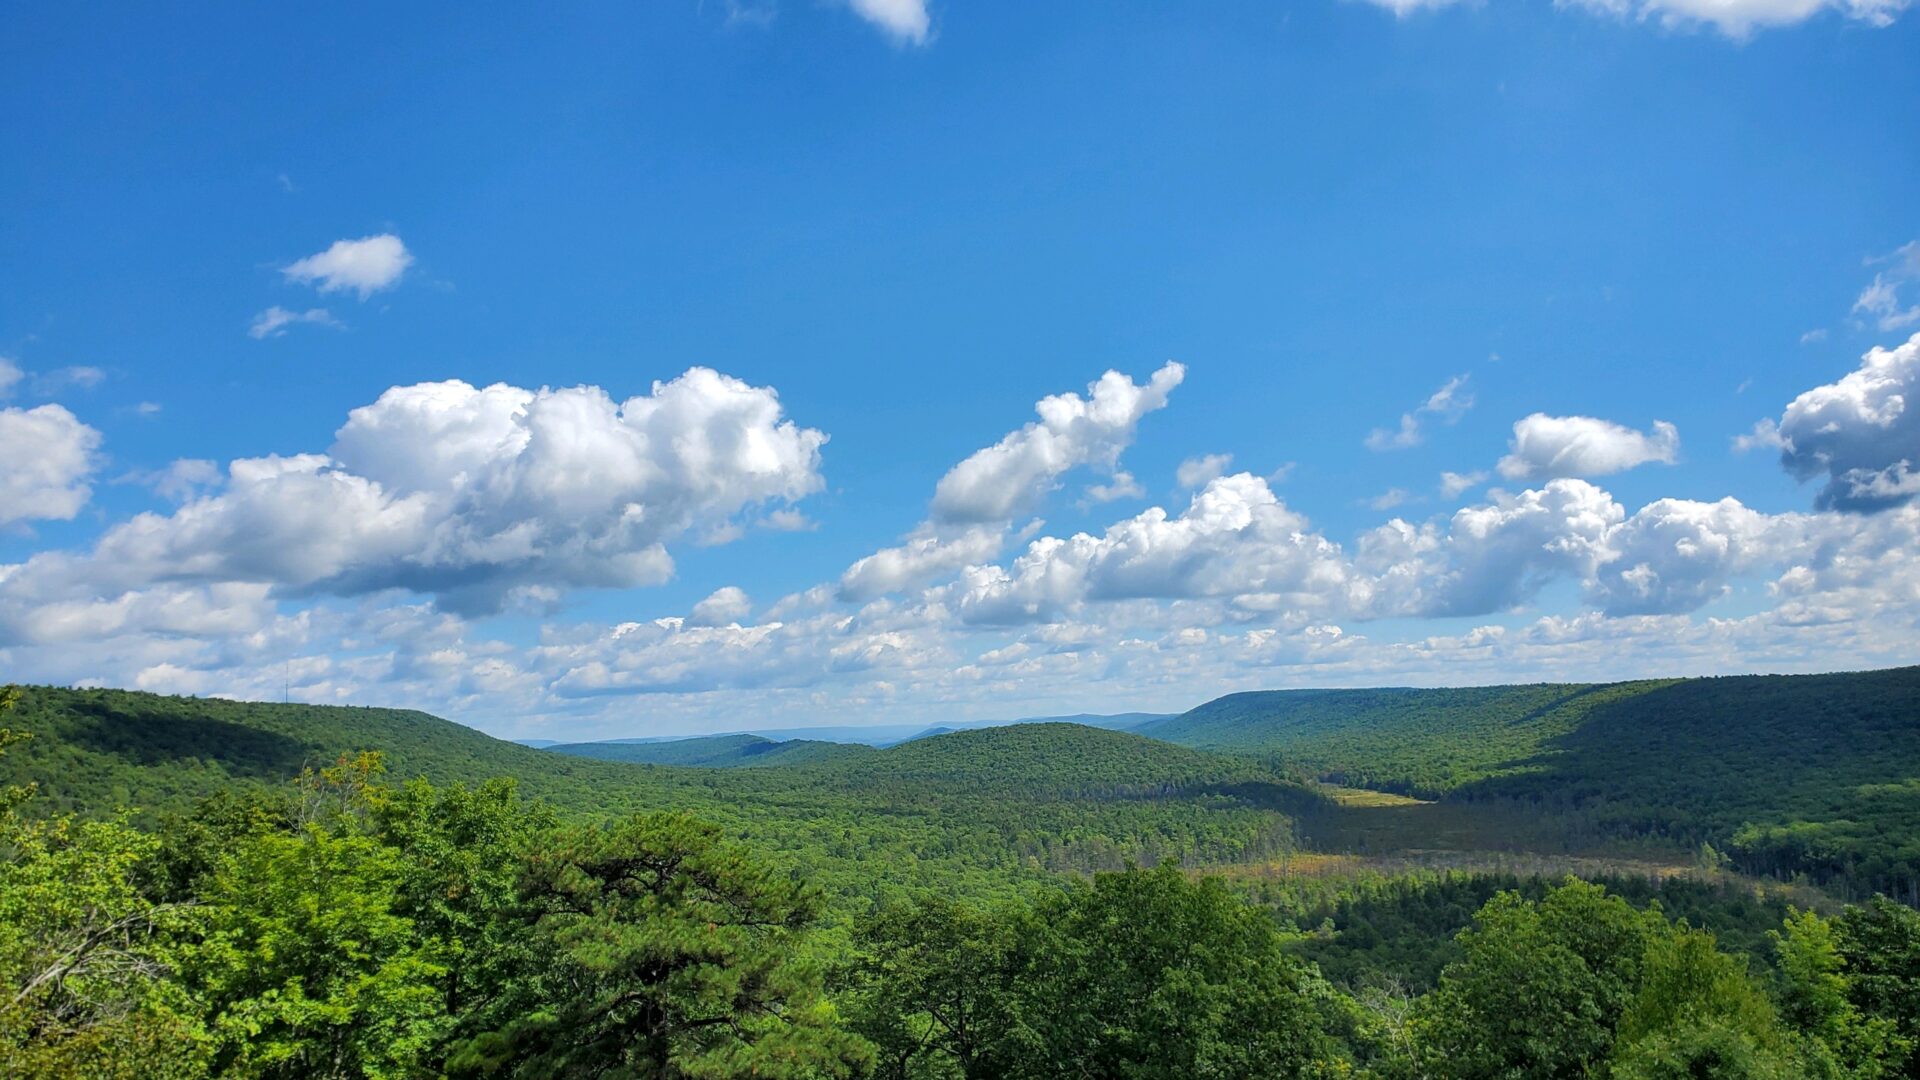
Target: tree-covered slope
[
  {"x": 95, "y": 749},
  {"x": 1802, "y": 773},
  {"x": 716, "y": 751},
  {"x": 1061, "y": 759},
  {"x": 863, "y": 822},
  {"x": 1424, "y": 742}
]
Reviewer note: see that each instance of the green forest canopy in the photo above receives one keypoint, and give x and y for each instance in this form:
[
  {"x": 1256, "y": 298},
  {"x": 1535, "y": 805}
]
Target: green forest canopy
[{"x": 926, "y": 910}]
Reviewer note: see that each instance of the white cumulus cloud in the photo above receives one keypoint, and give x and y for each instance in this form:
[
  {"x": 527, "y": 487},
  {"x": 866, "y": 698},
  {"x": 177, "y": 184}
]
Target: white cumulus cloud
[
  {"x": 923, "y": 556},
  {"x": 364, "y": 266},
  {"x": 471, "y": 496},
  {"x": 1676, "y": 555},
  {"x": 723, "y": 607},
  {"x": 46, "y": 459},
  {"x": 1453, "y": 484},
  {"x": 1492, "y": 556},
  {"x": 1010, "y": 477},
  {"x": 1862, "y": 433},
  {"x": 1235, "y": 537},
  {"x": 1559, "y": 446}
]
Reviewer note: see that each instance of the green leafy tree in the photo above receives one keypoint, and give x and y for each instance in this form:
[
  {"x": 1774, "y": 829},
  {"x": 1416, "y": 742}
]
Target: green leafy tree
[
  {"x": 1698, "y": 1014},
  {"x": 1146, "y": 974},
  {"x": 1879, "y": 944},
  {"x": 86, "y": 987},
  {"x": 931, "y": 988},
  {"x": 308, "y": 965},
  {"x": 1540, "y": 987},
  {"x": 461, "y": 853},
  {"x": 1815, "y": 996},
  {"x": 658, "y": 950}
]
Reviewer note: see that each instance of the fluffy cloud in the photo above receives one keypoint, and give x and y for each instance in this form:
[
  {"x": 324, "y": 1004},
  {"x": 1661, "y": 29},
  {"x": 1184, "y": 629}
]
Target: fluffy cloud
[
  {"x": 724, "y": 606},
  {"x": 499, "y": 498},
  {"x": 1676, "y": 555},
  {"x": 1561, "y": 446},
  {"x": 1860, "y": 432},
  {"x": 923, "y": 556},
  {"x": 1740, "y": 18},
  {"x": 1847, "y": 590},
  {"x": 185, "y": 611},
  {"x": 470, "y": 495},
  {"x": 1010, "y": 478},
  {"x": 1236, "y": 537},
  {"x": 1449, "y": 403},
  {"x": 364, "y": 266},
  {"x": 46, "y": 458},
  {"x": 1489, "y": 557},
  {"x": 976, "y": 501},
  {"x": 903, "y": 20},
  {"x": 673, "y": 655},
  {"x": 274, "y": 321}
]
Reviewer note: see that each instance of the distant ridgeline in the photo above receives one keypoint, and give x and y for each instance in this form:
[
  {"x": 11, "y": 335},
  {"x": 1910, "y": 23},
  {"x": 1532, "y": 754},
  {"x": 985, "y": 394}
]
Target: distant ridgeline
[
  {"x": 1813, "y": 774},
  {"x": 978, "y": 811}
]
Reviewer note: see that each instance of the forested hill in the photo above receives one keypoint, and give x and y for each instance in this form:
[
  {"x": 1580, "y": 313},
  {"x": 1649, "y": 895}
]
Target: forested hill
[
  {"x": 1433, "y": 742},
  {"x": 717, "y": 751},
  {"x": 975, "y": 813},
  {"x": 1813, "y": 773},
  {"x": 1063, "y": 759},
  {"x": 1423, "y": 742},
  {"x": 96, "y": 750}
]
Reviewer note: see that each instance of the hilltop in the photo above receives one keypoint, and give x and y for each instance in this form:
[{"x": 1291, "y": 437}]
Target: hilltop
[
  {"x": 716, "y": 751},
  {"x": 99, "y": 749},
  {"x": 1057, "y": 757}
]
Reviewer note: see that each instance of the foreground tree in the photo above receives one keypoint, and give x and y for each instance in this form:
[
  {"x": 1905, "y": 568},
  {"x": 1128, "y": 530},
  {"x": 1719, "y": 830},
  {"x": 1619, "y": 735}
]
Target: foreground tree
[
  {"x": 86, "y": 964},
  {"x": 658, "y": 950},
  {"x": 1541, "y": 987},
  {"x": 1698, "y": 1014},
  {"x": 931, "y": 989},
  {"x": 1148, "y": 974},
  {"x": 1879, "y": 947},
  {"x": 1140, "y": 973},
  {"x": 1815, "y": 994}
]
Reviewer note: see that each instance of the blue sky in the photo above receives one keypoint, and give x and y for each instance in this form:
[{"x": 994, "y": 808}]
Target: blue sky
[{"x": 897, "y": 228}]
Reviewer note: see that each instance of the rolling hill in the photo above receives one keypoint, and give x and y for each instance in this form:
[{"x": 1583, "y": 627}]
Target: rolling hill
[
  {"x": 1007, "y": 806},
  {"x": 1066, "y": 760},
  {"x": 1816, "y": 774},
  {"x": 716, "y": 751}
]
